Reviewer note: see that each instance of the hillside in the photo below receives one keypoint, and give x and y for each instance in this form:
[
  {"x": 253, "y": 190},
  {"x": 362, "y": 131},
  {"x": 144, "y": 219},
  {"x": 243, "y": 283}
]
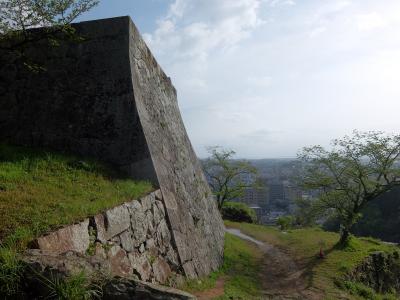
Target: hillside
[
  {"x": 289, "y": 266},
  {"x": 41, "y": 190}
]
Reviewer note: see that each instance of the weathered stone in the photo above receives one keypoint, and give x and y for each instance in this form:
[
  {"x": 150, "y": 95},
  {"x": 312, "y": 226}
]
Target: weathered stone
[
  {"x": 118, "y": 220},
  {"x": 101, "y": 230},
  {"x": 116, "y": 240},
  {"x": 151, "y": 247},
  {"x": 148, "y": 201},
  {"x": 124, "y": 289},
  {"x": 163, "y": 234},
  {"x": 158, "y": 194},
  {"x": 172, "y": 257},
  {"x": 140, "y": 265},
  {"x": 161, "y": 270},
  {"x": 120, "y": 264},
  {"x": 141, "y": 248},
  {"x": 127, "y": 240},
  {"x": 161, "y": 209},
  {"x": 67, "y": 263},
  {"x": 139, "y": 223},
  {"x": 71, "y": 238},
  {"x": 150, "y": 224},
  {"x": 189, "y": 269},
  {"x": 157, "y": 214},
  {"x": 112, "y": 222}
]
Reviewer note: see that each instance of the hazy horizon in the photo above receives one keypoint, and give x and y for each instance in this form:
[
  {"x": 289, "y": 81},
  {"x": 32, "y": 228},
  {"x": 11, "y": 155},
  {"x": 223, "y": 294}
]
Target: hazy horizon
[{"x": 268, "y": 77}]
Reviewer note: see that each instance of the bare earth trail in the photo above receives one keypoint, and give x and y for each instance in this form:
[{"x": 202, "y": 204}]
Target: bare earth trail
[{"x": 281, "y": 277}]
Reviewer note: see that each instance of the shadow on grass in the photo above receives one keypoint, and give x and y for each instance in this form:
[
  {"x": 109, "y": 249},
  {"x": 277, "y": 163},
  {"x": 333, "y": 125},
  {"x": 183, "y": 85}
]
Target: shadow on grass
[
  {"x": 31, "y": 157},
  {"x": 313, "y": 262}
]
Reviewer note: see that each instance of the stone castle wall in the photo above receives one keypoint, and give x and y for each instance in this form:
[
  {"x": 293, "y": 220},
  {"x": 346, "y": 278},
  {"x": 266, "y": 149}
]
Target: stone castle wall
[
  {"x": 82, "y": 103},
  {"x": 132, "y": 239},
  {"x": 106, "y": 97}
]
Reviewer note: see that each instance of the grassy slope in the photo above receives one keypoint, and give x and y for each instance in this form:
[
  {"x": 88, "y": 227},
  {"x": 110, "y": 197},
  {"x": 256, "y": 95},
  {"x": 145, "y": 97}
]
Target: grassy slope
[
  {"x": 240, "y": 269},
  {"x": 41, "y": 190},
  {"x": 303, "y": 245}
]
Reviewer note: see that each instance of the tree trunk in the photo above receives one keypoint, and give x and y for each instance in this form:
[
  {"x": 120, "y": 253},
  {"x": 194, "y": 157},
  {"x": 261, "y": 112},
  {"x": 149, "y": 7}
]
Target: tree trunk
[
  {"x": 344, "y": 235},
  {"x": 220, "y": 202}
]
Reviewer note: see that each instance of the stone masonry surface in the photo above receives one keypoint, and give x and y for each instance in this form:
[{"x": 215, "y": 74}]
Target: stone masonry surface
[
  {"x": 106, "y": 97},
  {"x": 115, "y": 243}
]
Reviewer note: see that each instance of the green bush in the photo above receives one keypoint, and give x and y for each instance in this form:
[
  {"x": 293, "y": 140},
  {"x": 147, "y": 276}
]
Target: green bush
[
  {"x": 238, "y": 212},
  {"x": 285, "y": 222}
]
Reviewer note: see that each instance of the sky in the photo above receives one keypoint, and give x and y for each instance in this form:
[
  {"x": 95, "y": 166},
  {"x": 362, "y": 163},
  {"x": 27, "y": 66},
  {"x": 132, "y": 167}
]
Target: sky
[{"x": 268, "y": 77}]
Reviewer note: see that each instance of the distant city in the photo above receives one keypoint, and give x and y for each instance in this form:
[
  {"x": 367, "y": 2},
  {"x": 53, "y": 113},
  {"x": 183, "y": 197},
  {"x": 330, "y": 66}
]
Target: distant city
[{"x": 276, "y": 192}]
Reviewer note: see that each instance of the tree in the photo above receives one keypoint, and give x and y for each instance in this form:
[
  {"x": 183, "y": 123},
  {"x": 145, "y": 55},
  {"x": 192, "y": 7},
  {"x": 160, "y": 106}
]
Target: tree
[
  {"x": 225, "y": 175},
  {"x": 19, "y": 17},
  {"x": 306, "y": 212},
  {"x": 358, "y": 169}
]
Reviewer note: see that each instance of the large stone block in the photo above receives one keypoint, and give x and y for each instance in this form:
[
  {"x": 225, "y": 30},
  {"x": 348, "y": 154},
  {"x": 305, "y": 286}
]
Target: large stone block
[
  {"x": 119, "y": 261},
  {"x": 71, "y": 238},
  {"x": 106, "y": 97},
  {"x": 124, "y": 289},
  {"x": 139, "y": 223},
  {"x": 161, "y": 270},
  {"x": 113, "y": 222},
  {"x": 141, "y": 265}
]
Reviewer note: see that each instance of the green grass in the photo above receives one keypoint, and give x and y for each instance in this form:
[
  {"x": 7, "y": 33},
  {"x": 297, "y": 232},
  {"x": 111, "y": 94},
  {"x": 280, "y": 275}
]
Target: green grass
[
  {"x": 75, "y": 287},
  {"x": 41, "y": 190},
  {"x": 303, "y": 245},
  {"x": 240, "y": 271},
  {"x": 10, "y": 271}
]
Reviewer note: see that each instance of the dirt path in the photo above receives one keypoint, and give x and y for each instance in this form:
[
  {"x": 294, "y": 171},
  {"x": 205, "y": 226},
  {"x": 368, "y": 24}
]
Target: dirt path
[
  {"x": 281, "y": 277},
  {"x": 215, "y": 292}
]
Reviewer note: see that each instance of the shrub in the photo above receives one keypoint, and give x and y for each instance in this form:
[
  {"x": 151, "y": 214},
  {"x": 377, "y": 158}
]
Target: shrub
[
  {"x": 285, "y": 222},
  {"x": 238, "y": 212}
]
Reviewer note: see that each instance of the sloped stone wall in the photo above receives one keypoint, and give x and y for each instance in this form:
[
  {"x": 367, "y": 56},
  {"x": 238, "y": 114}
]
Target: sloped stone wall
[
  {"x": 133, "y": 239},
  {"x": 196, "y": 224}
]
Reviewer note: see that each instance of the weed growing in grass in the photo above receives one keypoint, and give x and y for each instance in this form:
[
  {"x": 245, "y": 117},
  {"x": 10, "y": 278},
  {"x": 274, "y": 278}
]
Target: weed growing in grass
[
  {"x": 75, "y": 287},
  {"x": 92, "y": 241},
  {"x": 10, "y": 271}
]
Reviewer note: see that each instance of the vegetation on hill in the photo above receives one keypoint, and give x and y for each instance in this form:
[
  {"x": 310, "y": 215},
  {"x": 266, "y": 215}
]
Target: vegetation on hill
[
  {"x": 328, "y": 274},
  {"x": 239, "y": 272},
  {"x": 380, "y": 218},
  {"x": 357, "y": 170},
  {"x": 41, "y": 190},
  {"x": 238, "y": 212}
]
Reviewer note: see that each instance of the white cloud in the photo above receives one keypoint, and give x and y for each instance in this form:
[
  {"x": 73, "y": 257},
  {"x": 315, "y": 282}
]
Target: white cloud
[
  {"x": 370, "y": 21},
  {"x": 263, "y": 82},
  {"x": 192, "y": 29},
  {"x": 306, "y": 77},
  {"x": 317, "y": 31},
  {"x": 275, "y": 3}
]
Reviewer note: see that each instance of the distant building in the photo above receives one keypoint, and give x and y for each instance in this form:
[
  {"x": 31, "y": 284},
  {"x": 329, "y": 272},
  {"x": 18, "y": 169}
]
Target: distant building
[{"x": 255, "y": 197}]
